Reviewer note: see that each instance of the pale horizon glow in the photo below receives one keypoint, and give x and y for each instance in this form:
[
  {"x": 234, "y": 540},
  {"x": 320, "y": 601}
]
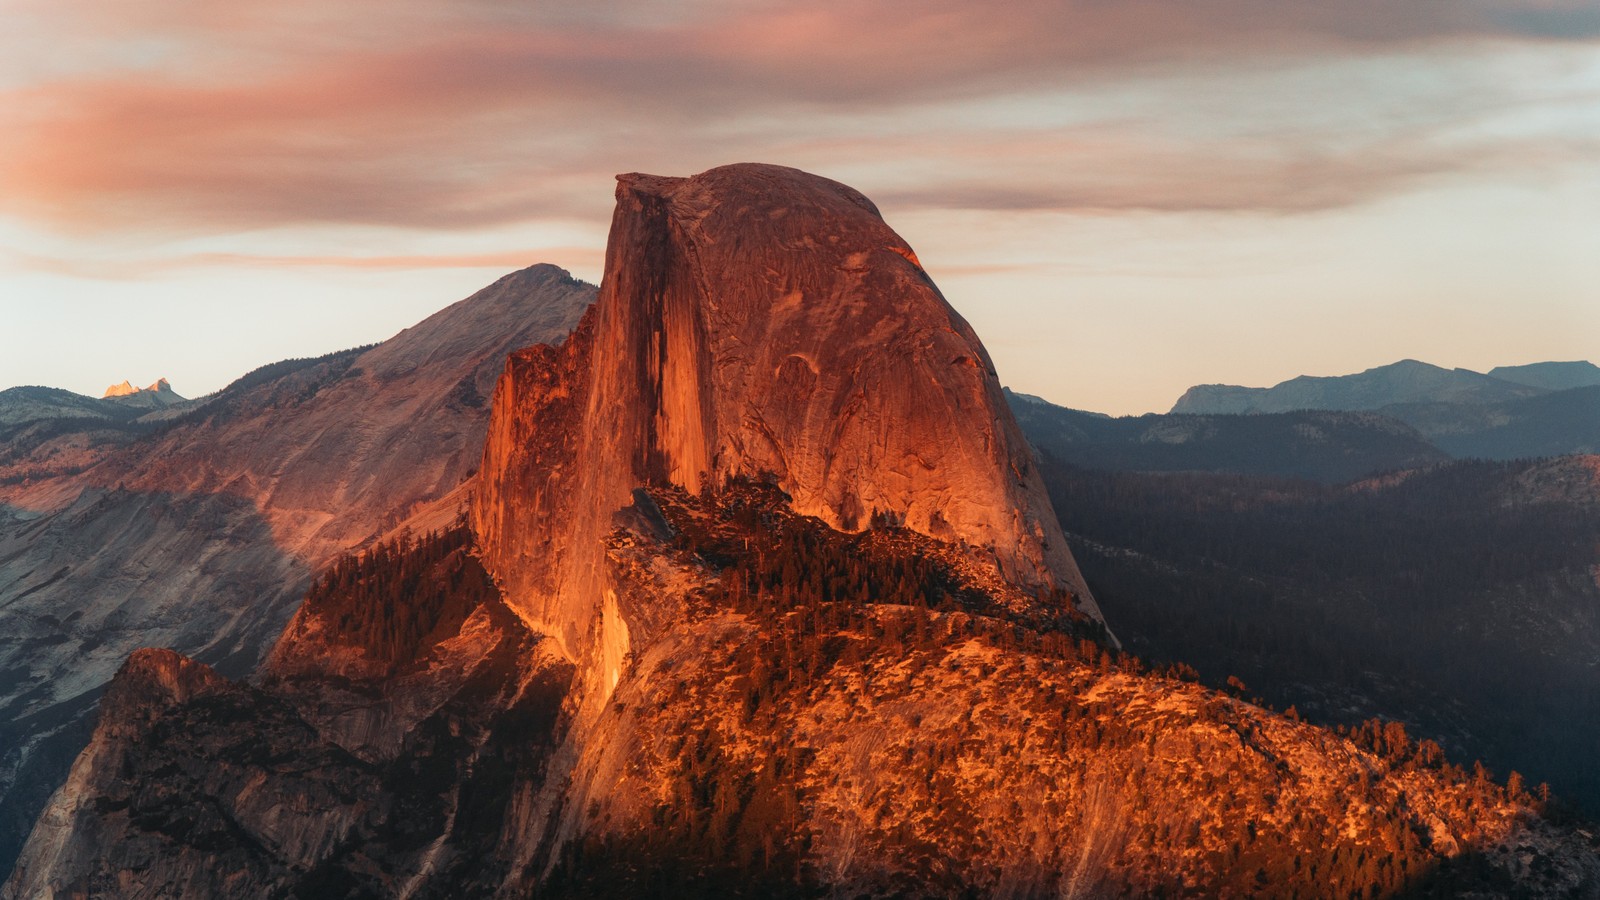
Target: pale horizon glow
[{"x": 1124, "y": 200}]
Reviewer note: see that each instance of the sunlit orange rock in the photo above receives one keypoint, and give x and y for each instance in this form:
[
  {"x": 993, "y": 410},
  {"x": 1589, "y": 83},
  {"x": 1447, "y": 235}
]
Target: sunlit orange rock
[{"x": 758, "y": 321}]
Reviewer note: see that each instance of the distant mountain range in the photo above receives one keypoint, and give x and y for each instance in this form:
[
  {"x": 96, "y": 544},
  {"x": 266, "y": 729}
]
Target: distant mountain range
[
  {"x": 1338, "y": 428},
  {"x": 1541, "y": 409},
  {"x": 1551, "y": 424},
  {"x": 1322, "y": 445},
  {"x": 23, "y": 406},
  {"x": 1404, "y": 382}
]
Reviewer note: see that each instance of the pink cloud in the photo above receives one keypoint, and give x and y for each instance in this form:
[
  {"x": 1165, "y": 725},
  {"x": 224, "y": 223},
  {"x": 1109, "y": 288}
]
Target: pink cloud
[{"x": 459, "y": 114}]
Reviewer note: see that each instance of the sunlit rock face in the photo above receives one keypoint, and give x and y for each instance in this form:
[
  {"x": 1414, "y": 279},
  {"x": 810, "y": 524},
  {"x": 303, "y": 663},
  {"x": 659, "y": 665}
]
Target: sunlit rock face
[
  {"x": 126, "y": 389},
  {"x": 155, "y": 397},
  {"x": 756, "y": 321}
]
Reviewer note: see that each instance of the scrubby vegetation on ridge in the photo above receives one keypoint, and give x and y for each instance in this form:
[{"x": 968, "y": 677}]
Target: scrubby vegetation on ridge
[
  {"x": 1004, "y": 750},
  {"x": 276, "y": 370},
  {"x": 770, "y": 561},
  {"x": 283, "y": 383},
  {"x": 396, "y": 599}
]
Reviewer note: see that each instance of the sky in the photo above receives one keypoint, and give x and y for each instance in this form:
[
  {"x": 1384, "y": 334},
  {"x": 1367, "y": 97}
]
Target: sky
[{"x": 1124, "y": 198}]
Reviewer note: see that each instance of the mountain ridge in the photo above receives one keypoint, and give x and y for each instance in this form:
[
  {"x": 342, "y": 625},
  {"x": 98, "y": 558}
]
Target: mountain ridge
[
  {"x": 202, "y": 532},
  {"x": 1540, "y": 409},
  {"x": 1329, "y": 446},
  {"x": 1552, "y": 376},
  {"x": 1406, "y": 381}
]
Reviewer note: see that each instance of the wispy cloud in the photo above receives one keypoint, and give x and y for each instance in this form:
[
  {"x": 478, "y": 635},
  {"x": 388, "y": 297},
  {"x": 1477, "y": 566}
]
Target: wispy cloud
[{"x": 186, "y": 116}]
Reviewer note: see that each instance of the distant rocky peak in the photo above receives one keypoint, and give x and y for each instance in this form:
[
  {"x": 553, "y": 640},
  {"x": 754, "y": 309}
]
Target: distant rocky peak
[{"x": 126, "y": 389}]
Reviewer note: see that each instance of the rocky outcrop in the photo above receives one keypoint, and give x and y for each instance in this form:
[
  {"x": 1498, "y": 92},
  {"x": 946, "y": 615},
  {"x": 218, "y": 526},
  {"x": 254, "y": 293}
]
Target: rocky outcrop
[
  {"x": 153, "y": 399},
  {"x": 1565, "y": 479},
  {"x": 756, "y": 321},
  {"x": 338, "y": 664},
  {"x": 137, "y": 818},
  {"x": 155, "y": 396}
]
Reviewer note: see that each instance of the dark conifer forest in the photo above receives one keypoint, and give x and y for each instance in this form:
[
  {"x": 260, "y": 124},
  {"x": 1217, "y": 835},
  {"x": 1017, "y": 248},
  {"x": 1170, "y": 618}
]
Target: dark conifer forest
[
  {"x": 1442, "y": 597},
  {"x": 400, "y": 597}
]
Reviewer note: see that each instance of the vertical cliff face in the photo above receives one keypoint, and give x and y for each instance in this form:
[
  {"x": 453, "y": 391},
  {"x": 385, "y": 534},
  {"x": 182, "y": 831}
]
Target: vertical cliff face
[{"x": 756, "y": 321}]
